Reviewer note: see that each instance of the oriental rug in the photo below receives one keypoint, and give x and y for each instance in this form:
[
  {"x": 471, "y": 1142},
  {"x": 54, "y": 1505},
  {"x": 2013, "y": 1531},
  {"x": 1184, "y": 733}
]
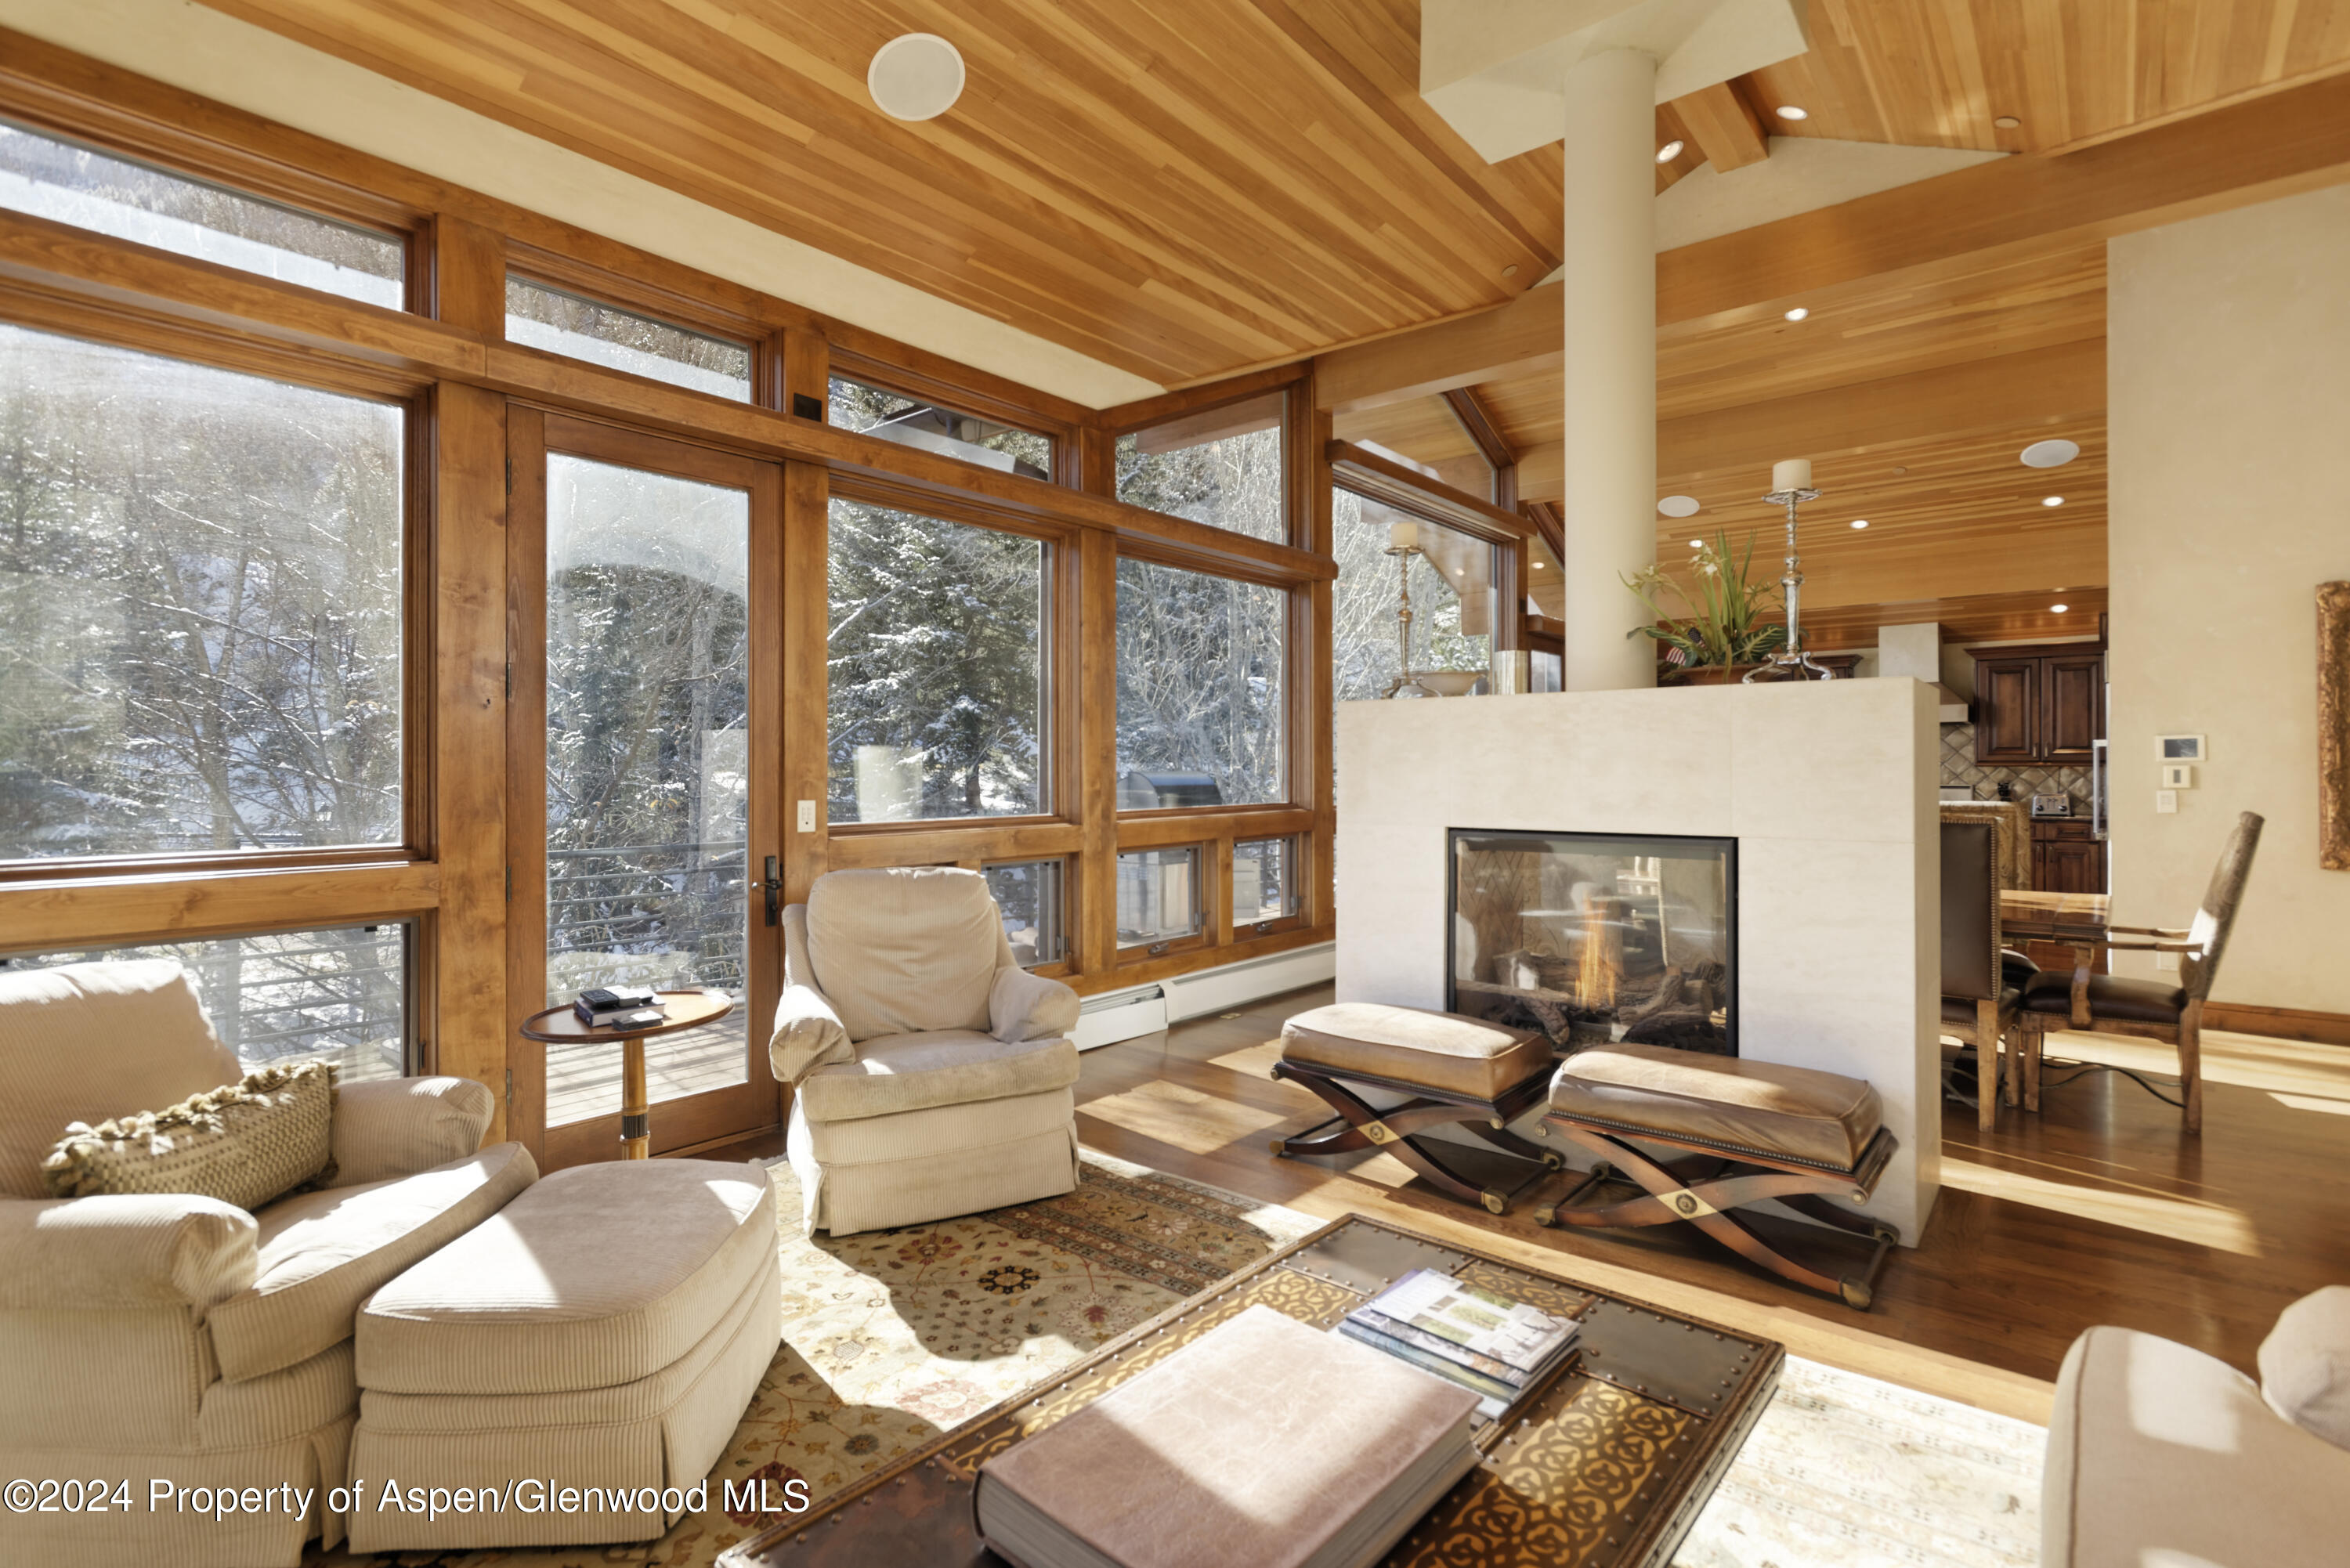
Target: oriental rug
[{"x": 891, "y": 1338}]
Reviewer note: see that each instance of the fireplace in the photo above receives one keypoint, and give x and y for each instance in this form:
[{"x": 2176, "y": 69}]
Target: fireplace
[{"x": 1594, "y": 937}]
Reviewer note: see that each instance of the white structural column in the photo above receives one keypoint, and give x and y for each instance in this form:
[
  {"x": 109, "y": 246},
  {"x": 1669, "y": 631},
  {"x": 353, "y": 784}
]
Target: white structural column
[{"x": 1609, "y": 272}]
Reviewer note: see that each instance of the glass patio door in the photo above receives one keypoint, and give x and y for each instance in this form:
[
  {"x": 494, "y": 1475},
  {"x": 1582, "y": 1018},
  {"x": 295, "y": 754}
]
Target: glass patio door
[{"x": 644, "y": 767}]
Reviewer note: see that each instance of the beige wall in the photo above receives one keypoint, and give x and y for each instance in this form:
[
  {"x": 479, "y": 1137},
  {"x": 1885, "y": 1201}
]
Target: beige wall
[{"x": 2229, "y": 363}]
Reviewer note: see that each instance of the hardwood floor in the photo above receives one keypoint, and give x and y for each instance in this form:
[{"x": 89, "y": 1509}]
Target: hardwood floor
[{"x": 2099, "y": 1209}]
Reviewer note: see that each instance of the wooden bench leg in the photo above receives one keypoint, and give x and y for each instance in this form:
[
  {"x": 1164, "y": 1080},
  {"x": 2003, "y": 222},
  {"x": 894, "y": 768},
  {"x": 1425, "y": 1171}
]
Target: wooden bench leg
[
  {"x": 1706, "y": 1205},
  {"x": 1393, "y": 1130}
]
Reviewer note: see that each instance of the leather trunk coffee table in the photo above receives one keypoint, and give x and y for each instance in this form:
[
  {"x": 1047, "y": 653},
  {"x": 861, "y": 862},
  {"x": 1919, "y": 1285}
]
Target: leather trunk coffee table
[{"x": 1607, "y": 1467}]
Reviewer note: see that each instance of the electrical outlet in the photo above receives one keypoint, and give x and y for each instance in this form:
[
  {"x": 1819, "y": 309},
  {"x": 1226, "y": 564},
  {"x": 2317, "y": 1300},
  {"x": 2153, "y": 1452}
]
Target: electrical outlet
[
  {"x": 808, "y": 816},
  {"x": 2166, "y": 801},
  {"x": 2166, "y": 962}
]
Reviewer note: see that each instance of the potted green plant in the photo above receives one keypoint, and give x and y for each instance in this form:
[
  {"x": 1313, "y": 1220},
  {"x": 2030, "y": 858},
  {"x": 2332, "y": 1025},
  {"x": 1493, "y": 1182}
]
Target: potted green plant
[{"x": 1736, "y": 624}]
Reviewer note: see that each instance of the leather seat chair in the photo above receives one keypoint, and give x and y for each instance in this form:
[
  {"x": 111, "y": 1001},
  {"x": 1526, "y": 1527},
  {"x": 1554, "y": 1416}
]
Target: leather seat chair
[
  {"x": 2113, "y": 1004},
  {"x": 171, "y": 1337},
  {"x": 1979, "y": 1001},
  {"x": 933, "y": 1076}
]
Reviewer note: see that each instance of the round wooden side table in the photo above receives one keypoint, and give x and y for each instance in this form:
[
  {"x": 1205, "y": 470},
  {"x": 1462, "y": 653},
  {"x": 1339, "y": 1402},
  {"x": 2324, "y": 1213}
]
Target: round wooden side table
[{"x": 685, "y": 1010}]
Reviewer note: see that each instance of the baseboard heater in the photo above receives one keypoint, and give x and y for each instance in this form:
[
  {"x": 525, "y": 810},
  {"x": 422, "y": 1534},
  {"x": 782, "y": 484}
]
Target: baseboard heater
[{"x": 1110, "y": 1016}]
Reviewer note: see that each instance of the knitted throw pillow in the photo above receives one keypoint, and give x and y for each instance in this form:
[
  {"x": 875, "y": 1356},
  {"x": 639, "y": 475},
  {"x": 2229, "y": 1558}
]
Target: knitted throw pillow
[{"x": 244, "y": 1143}]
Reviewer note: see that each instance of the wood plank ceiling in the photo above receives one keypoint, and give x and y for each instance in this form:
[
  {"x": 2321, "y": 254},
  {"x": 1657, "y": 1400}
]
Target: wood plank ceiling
[{"x": 1187, "y": 190}]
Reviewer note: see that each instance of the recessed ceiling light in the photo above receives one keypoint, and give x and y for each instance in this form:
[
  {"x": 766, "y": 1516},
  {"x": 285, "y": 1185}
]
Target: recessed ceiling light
[
  {"x": 1696, "y": 544},
  {"x": 1797, "y": 314},
  {"x": 1669, "y": 152},
  {"x": 2051, "y": 501},
  {"x": 1789, "y": 111},
  {"x": 2058, "y": 609},
  {"x": 915, "y": 75},
  {"x": 1860, "y": 522},
  {"x": 1538, "y": 566},
  {"x": 1678, "y": 506},
  {"x": 2051, "y": 453},
  {"x": 1510, "y": 270},
  {"x": 2008, "y": 122}
]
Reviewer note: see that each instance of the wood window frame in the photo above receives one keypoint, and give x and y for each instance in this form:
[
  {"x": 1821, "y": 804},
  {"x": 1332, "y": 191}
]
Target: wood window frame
[{"x": 446, "y": 351}]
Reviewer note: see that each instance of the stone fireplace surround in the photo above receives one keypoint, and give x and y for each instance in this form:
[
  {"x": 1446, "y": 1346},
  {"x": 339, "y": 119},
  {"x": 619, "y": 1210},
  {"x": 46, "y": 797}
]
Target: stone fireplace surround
[{"x": 1828, "y": 787}]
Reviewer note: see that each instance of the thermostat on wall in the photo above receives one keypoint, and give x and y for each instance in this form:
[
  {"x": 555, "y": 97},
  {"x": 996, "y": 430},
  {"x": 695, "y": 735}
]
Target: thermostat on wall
[{"x": 2179, "y": 748}]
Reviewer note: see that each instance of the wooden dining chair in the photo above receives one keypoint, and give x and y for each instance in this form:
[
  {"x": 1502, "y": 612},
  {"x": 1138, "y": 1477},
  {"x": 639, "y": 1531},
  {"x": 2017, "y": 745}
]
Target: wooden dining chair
[
  {"x": 2147, "y": 1009},
  {"x": 1978, "y": 1006}
]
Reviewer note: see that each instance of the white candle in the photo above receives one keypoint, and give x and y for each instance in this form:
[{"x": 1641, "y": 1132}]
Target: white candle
[
  {"x": 1403, "y": 535},
  {"x": 1792, "y": 473}
]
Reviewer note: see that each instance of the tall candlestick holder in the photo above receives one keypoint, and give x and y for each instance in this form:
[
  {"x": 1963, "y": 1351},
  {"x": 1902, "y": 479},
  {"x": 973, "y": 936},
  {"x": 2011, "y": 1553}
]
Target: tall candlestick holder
[
  {"x": 1405, "y": 684},
  {"x": 1791, "y": 661}
]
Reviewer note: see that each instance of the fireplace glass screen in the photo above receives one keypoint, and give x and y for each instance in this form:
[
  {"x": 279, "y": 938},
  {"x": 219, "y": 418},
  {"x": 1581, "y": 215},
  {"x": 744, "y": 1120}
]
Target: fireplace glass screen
[{"x": 1596, "y": 937}]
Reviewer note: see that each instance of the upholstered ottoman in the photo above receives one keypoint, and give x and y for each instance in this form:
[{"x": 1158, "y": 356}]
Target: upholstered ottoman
[
  {"x": 1450, "y": 1068},
  {"x": 606, "y": 1329},
  {"x": 1747, "y": 1131}
]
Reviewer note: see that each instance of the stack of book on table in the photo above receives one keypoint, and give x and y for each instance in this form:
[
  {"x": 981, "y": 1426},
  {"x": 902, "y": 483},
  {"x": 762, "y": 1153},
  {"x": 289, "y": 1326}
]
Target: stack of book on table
[
  {"x": 1262, "y": 1442},
  {"x": 619, "y": 1007},
  {"x": 1495, "y": 1347}
]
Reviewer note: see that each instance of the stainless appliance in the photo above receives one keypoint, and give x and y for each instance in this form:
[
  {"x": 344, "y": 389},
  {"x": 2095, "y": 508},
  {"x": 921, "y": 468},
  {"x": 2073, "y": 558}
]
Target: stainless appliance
[
  {"x": 2098, "y": 821},
  {"x": 2052, "y": 805}
]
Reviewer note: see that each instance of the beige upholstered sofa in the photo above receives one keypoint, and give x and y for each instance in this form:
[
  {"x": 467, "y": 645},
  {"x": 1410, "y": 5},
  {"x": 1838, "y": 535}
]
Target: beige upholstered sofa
[
  {"x": 933, "y": 1074},
  {"x": 2162, "y": 1457},
  {"x": 180, "y": 1339}
]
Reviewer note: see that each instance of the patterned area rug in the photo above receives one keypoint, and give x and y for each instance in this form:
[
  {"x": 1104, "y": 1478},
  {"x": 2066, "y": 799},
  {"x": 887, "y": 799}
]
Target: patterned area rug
[{"x": 893, "y": 1337}]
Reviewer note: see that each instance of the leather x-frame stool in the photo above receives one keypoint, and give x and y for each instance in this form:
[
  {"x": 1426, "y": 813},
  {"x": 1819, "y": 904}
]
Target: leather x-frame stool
[
  {"x": 1452, "y": 1069},
  {"x": 1827, "y": 1150}
]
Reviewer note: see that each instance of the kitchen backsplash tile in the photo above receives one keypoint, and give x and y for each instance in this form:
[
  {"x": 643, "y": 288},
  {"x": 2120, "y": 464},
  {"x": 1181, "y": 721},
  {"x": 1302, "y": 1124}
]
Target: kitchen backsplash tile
[{"x": 1960, "y": 768}]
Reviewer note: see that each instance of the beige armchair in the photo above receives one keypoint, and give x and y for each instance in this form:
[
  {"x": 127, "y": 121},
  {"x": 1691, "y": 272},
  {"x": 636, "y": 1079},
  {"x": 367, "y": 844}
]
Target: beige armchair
[
  {"x": 177, "y": 1339},
  {"x": 933, "y": 1076},
  {"x": 2162, "y": 1457}
]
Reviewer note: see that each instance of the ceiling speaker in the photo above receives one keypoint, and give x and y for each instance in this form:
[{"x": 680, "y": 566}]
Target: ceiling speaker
[
  {"x": 918, "y": 76},
  {"x": 2050, "y": 453}
]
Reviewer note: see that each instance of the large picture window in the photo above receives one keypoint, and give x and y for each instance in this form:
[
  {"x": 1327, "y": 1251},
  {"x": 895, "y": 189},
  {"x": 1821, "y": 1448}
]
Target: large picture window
[
  {"x": 90, "y": 190},
  {"x": 200, "y": 607},
  {"x": 1222, "y": 467},
  {"x": 1201, "y": 668},
  {"x": 937, "y": 649}
]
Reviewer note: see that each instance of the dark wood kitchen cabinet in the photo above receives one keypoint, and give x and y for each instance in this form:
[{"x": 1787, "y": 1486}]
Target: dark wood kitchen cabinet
[
  {"x": 2066, "y": 857},
  {"x": 2039, "y": 705}
]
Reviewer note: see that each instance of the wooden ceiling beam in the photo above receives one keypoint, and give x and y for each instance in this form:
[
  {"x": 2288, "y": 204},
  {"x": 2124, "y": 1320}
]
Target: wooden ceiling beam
[
  {"x": 1725, "y": 128},
  {"x": 2287, "y": 141},
  {"x": 1523, "y": 337},
  {"x": 2255, "y": 151}
]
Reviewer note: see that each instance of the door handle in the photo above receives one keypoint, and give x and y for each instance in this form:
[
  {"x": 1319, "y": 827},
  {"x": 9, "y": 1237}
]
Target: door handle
[{"x": 774, "y": 890}]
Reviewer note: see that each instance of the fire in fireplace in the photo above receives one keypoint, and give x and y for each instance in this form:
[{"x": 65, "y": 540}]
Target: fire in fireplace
[{"x": 1595, "y": 937}]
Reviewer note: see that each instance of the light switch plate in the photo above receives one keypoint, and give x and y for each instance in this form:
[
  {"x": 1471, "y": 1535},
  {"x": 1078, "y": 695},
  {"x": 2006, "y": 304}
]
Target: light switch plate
[
  {"x": 2167, "y": 962},
  {"x": 2166, "y": 801},
  {"x": 808, "y": 816},
  {"x": 2178, "y": 775}
]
